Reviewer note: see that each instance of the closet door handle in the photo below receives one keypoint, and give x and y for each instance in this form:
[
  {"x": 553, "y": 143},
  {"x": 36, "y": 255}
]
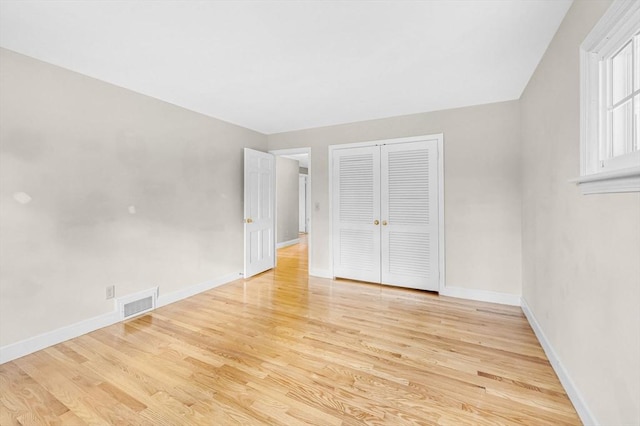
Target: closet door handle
[
  {"x": 375, "y": 222},
  {"x": 384, "y": 223}
]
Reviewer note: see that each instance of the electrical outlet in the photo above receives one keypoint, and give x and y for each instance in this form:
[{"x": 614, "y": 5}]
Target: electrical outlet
[{"x": 111, "y": 292}]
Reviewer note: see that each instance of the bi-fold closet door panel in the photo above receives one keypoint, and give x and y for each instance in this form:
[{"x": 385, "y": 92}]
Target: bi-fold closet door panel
[
  {"x": 385, "y": 214},
  {"x": 356, "y": 209},
  {"x": 409, "y": 214}
]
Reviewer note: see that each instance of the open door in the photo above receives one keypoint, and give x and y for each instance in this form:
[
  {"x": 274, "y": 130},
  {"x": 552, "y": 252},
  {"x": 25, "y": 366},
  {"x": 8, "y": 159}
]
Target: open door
[
  {"x": 303, "y": 214},
  {"x": 259, "y": 212}
]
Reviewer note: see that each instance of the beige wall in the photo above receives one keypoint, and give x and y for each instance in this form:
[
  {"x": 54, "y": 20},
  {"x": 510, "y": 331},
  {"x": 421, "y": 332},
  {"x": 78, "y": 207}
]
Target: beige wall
[
  {"x": 85, "y": 151},
  {"x": 581, "y": 269},
  {"x": 482, "y": 187},
  {"x": 287, "y": 192}
]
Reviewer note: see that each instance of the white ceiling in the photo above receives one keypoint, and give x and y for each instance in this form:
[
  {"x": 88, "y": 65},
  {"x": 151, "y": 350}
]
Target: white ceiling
[{"x": 275, "y": 66}]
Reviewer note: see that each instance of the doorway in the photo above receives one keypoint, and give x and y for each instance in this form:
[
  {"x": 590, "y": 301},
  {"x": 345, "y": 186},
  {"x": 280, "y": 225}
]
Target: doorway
[{"x": 298, "y": 216}]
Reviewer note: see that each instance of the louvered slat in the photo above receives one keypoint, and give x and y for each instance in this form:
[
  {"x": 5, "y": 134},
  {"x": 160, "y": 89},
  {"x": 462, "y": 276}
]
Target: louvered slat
[
  {"x": 358, "y": 249},
  {"x": 408, "y": 253},
  {"x": 356, "y": 188},
  {"x": 408, "y": 187},
  {"x": 356, "y": 205}
]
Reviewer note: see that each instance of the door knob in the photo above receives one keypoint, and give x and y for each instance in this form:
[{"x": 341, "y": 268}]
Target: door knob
[
  {"x": 249, "y": 220},
  {"x": 384, "y": 223},
  {"x": 375, "y": 222}
]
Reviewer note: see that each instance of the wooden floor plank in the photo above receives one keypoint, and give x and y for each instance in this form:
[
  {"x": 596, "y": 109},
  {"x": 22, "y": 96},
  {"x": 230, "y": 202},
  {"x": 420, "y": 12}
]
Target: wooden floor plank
[{"x": 285, "y": 348}]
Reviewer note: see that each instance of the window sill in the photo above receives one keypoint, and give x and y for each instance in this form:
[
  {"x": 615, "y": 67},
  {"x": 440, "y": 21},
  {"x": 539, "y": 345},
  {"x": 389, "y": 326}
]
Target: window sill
[{"x": 623, "y": 180}]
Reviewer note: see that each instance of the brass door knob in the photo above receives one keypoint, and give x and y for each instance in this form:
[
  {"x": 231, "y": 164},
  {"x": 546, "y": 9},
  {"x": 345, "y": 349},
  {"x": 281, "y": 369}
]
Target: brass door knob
[
  {"x": 249, "y": 220},
  {"x": 375, "y": 222},
  {"x": 384, "y": 223}
]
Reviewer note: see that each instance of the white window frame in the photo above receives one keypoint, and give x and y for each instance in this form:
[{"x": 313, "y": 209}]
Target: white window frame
[{"x": 620, "y": 174}]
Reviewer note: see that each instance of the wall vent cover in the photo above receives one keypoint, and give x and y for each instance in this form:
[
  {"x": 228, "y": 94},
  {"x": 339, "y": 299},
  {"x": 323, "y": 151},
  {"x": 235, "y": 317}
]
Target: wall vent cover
[{"x": 138, "y": 303}]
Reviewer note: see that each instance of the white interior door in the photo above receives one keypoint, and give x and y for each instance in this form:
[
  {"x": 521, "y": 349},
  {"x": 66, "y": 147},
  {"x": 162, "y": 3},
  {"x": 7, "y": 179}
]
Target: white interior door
[
  {"x": 409, "y": 214},
  {"x": 307, "y": 210},
  {"x": 259, "y": 212},
  {"x": 356, "y": 207},
  {"x": 302, "y": 199}
]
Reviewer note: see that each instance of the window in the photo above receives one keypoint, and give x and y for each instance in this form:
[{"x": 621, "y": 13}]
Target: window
[
  {"x": 621, "y": 83},
  {"x": 610, "y": 102}
]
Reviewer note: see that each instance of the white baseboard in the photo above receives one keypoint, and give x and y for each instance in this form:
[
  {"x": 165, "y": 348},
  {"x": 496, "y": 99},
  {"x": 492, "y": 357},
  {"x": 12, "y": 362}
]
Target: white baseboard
[
  {"x": 175, "y": 296},
  {"x": 287, "y": 243},
  {"x": 321, "y": 273},
  {"x": 481, "y": 295},
  {"x": 25, "y": 347},
  {"x": 576, "y": 398}
]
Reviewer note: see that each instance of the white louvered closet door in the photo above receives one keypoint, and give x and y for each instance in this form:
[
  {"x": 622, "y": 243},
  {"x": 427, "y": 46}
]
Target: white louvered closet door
[
  {"x": 409, "y": 215},
  {"x": 356, "y": 208}
]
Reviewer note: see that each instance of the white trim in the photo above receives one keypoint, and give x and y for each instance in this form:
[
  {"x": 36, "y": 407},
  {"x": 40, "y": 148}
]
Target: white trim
[
  {"x": 481, "y": 295},
  {"x": 615, "y": 174},
  {"x": 184, "y": 293},
  {"x": 440, "y": 138},
  {"x": 384, "y": 142},
  {"x": 631, "y": 184},
  {"x": 613, "y": 28},
  {"x": 441, "y": 248},
  {"x": 25, "y": 347},
  {"x": 287, "y": 243},
  {"x": 576, "y": 398},
  {"x": 290, "y": 151},
  {"x": 330, "y": 210},
  {"x": 321, "y": 273},
  {"x": 624, "y": 180},
  {"x": 589, "y": 113}
]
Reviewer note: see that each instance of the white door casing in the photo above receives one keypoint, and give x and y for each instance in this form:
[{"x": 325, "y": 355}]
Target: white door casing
[
  {"x": 259, "y": 212},
  {"x": 356, "y": 209},
  {"x": 406, "y": 177}
]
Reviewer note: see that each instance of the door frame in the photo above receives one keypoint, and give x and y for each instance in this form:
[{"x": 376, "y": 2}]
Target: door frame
[
  {"x": 439, "y": 137},
  {"x": 292, "y": 151},
  {"x": 307, "y": 202}
]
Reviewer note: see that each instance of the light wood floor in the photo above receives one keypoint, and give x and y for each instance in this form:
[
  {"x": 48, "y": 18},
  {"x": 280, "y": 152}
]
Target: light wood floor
[{"x": 283, "y": 348}]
